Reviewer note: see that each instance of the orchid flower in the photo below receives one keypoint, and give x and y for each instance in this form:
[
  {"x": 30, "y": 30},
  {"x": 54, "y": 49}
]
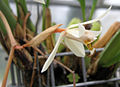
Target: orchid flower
[
  {"x": 40, "y": 1},
  {"x": 74, "y": 38}
]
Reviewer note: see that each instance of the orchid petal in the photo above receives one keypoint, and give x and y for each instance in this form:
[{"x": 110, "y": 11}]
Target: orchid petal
[
  {"x": 94, "y": 20},
  {"x": 100, "y": 17},
  {"x": 52, "y": 55},
  {"x": 74, "y": 25},
  {"x": 96, "y": 33},
  {"x": 40, "y": 1},
  {"x": 92, "y": 51},
  {"x": 76, "y": 47},
  {"x": 77, "y": 32}
]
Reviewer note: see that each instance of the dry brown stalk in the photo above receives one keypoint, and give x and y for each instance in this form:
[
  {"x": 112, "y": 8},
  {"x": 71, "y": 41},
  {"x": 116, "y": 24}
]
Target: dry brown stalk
[
  {"x": 50, "y": 40},
  {"x": 34, "y": 68},
  {"x": 24, "y": 24},
  {"x": 10, "y": 35},
  {"x": 13, "y": 44},
  {"x": 8, "y": 67}
]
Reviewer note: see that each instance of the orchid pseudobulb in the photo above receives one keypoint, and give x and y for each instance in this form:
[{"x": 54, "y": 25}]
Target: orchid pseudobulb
[{"x": 74, "y": 38}]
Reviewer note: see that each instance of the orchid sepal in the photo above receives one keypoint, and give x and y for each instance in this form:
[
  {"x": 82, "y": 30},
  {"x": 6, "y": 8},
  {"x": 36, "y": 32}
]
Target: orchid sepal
[
  {"x": 52, "y": 55},
  {"x": 94, "y": 20},
  {"x": 40, "y": 1}
]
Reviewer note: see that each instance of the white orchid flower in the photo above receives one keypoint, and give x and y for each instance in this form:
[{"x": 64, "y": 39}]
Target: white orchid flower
[
  {"x": 74, "y": 39},
  {"x": 40, "y": 1}
]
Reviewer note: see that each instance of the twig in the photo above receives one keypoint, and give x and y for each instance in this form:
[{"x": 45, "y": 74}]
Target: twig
[
  {"x": 8, "y": 67},
  {"x": 34, "y": 68},
  {"x": 38, "y": 18},
  {"x": 13, "y": 44},
  {"x": 24, "y": 24},
  {"x": 74, "y": 83}
]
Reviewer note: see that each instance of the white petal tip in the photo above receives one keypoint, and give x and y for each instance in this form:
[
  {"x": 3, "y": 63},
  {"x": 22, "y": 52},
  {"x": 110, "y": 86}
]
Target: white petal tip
[
  {"x": 95, "y": 38},
  {"x": 40, "y": 1},
  {"x": 98, "y": 18},
  {"x": 92, "y": 51},
  {"x": 83, "y": 55},
  {"x": 80, "y": 55},
  {"x": 43, "y": 70},
  {"x": 74, "y": 25},
  {"x": 110, "y": 7}
]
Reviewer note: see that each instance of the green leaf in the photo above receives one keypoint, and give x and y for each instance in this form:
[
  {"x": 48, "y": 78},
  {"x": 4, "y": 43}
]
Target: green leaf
[
  {"x": 87, "y": 61},
  {"x": 47, "y": 3},
  {"x": 18, "y": 6},
  {"x": 2, "y": 27},
  {"x": 61, "y": 48},
  {"x": 7, "y": 3},
  {"x": 111, "y": 53},
  {"x": 44, "y": 13},
  {"x": 43, "y": 18},
  {"x": 70, "y": 77},
  {"x": 8, "y": 14},
  {"x": 74, "y": 21},
  {"x": 93, "y": 9},
  {"x": 82, "y": 3},
  {"x": 54, "y": 35},
  {"x": 96, "y": 26},
  {"x": 24, "y": 5}
]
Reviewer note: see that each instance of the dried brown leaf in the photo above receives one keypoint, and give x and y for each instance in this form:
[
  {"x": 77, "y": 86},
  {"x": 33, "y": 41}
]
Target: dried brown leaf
[
  {"x": 50, "y": 40},
  {"x": 42, "y": 36}
]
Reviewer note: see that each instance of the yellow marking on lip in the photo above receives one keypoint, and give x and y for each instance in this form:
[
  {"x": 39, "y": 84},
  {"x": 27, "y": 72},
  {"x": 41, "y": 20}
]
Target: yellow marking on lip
[{"x": 89, "y": 45}]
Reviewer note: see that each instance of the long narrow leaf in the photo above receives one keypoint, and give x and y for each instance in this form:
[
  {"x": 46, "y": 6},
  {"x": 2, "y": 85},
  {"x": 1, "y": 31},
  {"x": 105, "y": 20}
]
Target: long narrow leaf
[
  {"x": 47, "y": 3},
  {"x": 2, "y": 27},
  {"x": 7, "y": 3},
  {"x": 20, "y": 13},
  {"x": 43, "y": 18},
  {"x": 111, "y": 54},
  {"x": 44, "y": 14},
  {"x": 93, "y": 9},
  {"x": 8, "y": 14},
  {"x": 50, "y": 41},
  {"x": 82, "y": 3}
]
